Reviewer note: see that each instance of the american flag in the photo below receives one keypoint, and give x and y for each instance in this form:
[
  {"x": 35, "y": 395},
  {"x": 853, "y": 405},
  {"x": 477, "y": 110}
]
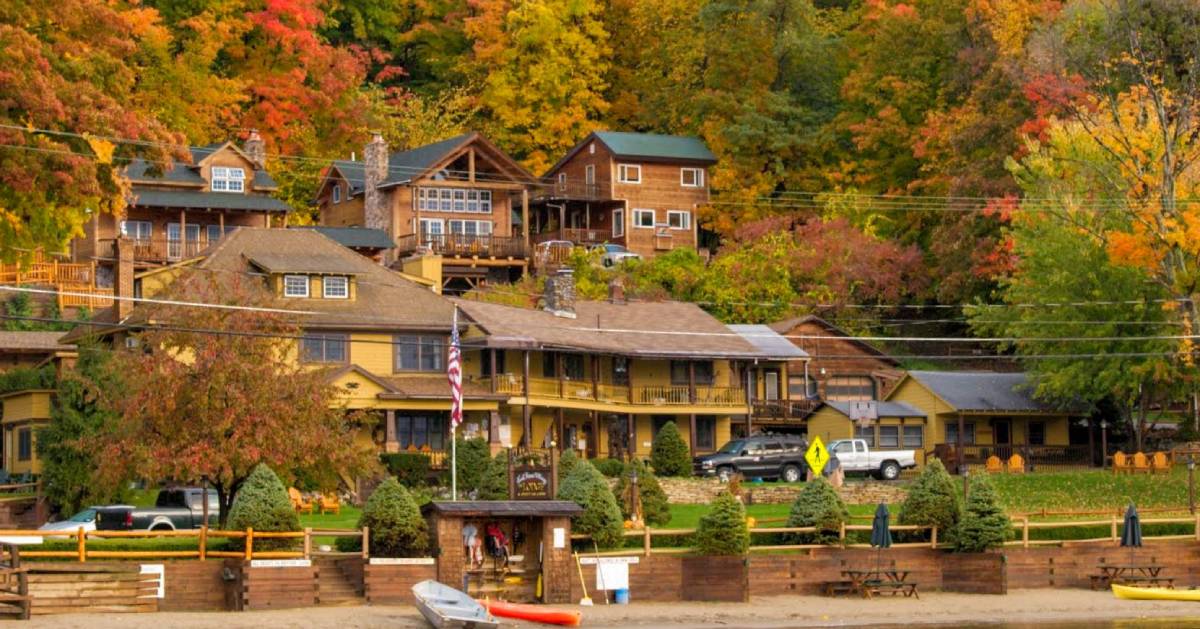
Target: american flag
[{"x": 454, "y": 372}]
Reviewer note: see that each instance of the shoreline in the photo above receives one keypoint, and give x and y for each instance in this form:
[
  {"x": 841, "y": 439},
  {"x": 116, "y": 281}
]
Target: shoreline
[{"x": 1041, "y": 606}]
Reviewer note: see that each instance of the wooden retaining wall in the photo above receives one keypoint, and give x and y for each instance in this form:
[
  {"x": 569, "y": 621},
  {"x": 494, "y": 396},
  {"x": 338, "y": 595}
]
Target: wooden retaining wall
[
  {"x": 715, "y": 579},
  {"x": 805, "y": 572},
  {"x": 1070, "y": 566},
  {"x": 392, "y": 584},
  {"x": 91, "y": 588},
  {"x": 975, "y": 573},
  {"x": 657, "y": 578},
  {"x": 276, "y": 588},
  {"x": 192, "y": 586}
]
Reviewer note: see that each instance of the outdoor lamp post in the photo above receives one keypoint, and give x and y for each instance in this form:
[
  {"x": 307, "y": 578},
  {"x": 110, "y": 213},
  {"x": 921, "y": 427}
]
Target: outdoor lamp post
[
  {"x": 634, "y": 495},
  {"x": 1191, "y": 465},
  {"x": 1103, "y": 441}
]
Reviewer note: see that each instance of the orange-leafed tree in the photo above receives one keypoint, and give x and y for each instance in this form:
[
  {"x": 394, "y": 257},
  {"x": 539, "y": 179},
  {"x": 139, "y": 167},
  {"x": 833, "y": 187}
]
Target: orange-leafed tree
[{"x": 210, "y": 392}]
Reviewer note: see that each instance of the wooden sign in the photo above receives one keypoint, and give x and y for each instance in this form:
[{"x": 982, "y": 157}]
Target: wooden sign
[
  {"x": 531, "y": 484},
  {"x": 532, "y": 475}
]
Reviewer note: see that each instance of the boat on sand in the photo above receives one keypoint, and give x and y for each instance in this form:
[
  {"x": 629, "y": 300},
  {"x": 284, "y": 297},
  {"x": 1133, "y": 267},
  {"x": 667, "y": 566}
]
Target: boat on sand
[
  {"x": 1154, "y": 594},
  {"x": 447, "y": 608},
  {"x": 536, "y": 613}
]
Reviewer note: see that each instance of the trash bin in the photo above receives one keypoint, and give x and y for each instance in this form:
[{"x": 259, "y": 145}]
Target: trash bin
[{"x": 621, "y": 596}]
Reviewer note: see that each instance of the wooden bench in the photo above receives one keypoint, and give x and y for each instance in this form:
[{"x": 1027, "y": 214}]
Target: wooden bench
[
  {"x": 907, "y": 588},
  {"x": 1103, "y": 581},
  {"x": 835, "y": 588}
]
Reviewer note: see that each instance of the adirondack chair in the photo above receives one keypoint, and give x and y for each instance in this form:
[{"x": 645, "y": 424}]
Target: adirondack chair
[
  {"x": 1140, "y": 463},
  {"x": 994, "y": 465},
  {"x": 299, "y": 502},
  {"x": 1160, "y": 463},
  {"x": 329, "y": 503},
  {"x": 1016, "y": 464},
  {"x": 1121, "y": 463}
]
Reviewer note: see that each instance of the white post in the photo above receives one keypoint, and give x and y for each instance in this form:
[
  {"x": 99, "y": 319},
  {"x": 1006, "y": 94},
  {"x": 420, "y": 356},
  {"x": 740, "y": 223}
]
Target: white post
[{"x": 453, "y": 461}]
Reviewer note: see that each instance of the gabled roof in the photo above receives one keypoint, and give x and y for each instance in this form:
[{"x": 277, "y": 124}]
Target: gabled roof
[
  {"x": 650, "y": 147},
  {"x": 12, "y": 341},
  {"x": 354, "y": 237},
  {"x": 204, "y": 199},
  {"x": 303, "y": 262},
  {"x": 884, "y": 409},
  {"x": 140, "y": 171},
  {"x": 503, "y": 508},
  {"x": 975, "y": 391},
  {"x": 768, "y": 341},
  {"x": 785, "y": 327}
]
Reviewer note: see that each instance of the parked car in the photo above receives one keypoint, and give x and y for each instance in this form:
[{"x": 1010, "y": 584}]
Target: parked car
[
  {"x": 174, "y": 509},
  {"x": 85, "y": 519},
  {"x": 855, "y": 456},
  {"x": 761, "y": 456},
  {"x": 613, "y": 255}
]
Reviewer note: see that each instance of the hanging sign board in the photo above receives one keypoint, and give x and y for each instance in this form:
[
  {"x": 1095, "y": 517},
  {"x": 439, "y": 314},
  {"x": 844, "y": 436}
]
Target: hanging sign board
[
  {"x": 864, "y": 411},
  {"x": 817, "y": 456}
]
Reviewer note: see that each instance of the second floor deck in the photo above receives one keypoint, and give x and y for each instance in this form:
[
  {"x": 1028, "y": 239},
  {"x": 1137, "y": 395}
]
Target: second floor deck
[
  {"x": 464, "y": 245},
  {"x": 619, "y": 394}
]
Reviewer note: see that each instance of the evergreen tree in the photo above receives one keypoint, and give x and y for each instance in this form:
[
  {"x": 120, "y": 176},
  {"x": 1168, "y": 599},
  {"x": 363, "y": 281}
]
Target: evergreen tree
[
  {"x": 601, "y": 517},
  {"x": 566, "y": 462},
  {"x": 984, "y": 524},
  {"x": 933, "y": 499},
  {"x": 723, "y": 530},
  {"x": 669, "y": 454},
  {"x": 494, "y": 483},
  {"x": 819, "y": 505},
  {"x": 19, "y": 309},
  {"x": 262, "y": 503},
  {"x": 656, "y": 509},
  {"x": 396, "y": 526},
  {"x": 471, "y": 463}
]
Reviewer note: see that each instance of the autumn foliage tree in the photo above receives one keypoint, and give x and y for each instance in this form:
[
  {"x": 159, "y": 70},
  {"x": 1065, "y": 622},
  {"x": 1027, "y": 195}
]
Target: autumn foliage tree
[{"x": 210, "y": 393}]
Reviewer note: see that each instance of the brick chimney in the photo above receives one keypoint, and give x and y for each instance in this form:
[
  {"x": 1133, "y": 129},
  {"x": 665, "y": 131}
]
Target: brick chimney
[
  {"x": 559, "y": 296},
  {"x": 255, "y": 148},
  {"x": 616, "y": 291},
  {"x": 375, "y": 171},
  {"x": 123, "y": 286}
]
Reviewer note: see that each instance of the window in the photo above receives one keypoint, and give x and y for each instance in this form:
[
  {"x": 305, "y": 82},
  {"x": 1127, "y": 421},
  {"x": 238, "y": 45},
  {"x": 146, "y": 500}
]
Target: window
[
  {"x": 295, "y": 286},
  {"x": 416, "y": 432},
  {"x": 460, "y": 200},
  {"x": 620, "y": 371},
  {"x": 643, "y": 218},
  {"x": 889, "y": 436},
  {"x": 592, "y": 148},
  {"x": 485, "y": 369},
  {"x": 797, "y": 387},
  {"x": 658, "y": 421},
  {"x": 968, "y": 433},
  {"x": 420, "y": 352},
  {"x": 589, "y": 174},
  {"x": 337, "y": 193},
  {"x": 703, "y": 369},
  {"x": 137, "y": 230},
  {"x": 572, "y": 365},
  {"x": 470, "y": 228},
  {"x": 914, "y": 437},
  {"x": 454, "y": 200},
  {"x": 618, "y": 223},
  {"x": 335, "y": 287},
  {"x": 691, "y": 177},
  {"x": 866, "y": 433},
  {"x": 324, "y": 348},
  {"x": 1037, "y": 433},
  {"x": 848, "y": 388},
  {"x": 706, "y": 433},
  {"x": 562, "y": 182},
  {"x": 629, "y": 173},
  {"x": 679, "y": 219},
  {"x": 228, "y": 179},
  {"x": 24, "y": 444},
  {"x": 212, "y": 233}
]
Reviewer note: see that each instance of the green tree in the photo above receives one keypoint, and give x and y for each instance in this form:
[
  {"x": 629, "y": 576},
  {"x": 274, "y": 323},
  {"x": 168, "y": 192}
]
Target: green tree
[
  {"x": 669, "y": 454},
  {"x": 984, "y": 524},
  {"x": 656, "y": 509},
  {"x": 494, "y": 483},
  {"x": 566, "y": 462},
  {"x": 263, "y": 504},
  {"x": 19, "y": 309},
  {"x": 601, "y": 517},
  {"x": 819, "y": 505},
  {"x": 723, "y": 530},
  {"x": 933, "y": 499},
  {"x": 472, "y": 460},
  {"x": 395, "y": 523}
]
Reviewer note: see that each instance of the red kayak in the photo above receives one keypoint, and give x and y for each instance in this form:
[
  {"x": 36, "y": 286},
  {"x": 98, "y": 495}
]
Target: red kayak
[{"x": 536, "y": 613}]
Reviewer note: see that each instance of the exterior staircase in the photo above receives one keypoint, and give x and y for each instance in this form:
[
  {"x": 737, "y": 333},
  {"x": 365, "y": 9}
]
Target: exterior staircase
[{"x": 335, "y": 587}]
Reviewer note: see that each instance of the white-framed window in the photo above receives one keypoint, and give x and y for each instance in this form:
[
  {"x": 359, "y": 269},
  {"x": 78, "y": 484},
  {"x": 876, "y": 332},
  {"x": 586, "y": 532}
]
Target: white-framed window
[
  {"x": 212, "y": 233},
  {"x": 433, "y": 231},
  {"x": 691, "y": 177},
  {"x": 335, "y": 287},
  {"x": 592, "y": 148},
  {"x": 137, "y": 230},
  {"x": 643, "y": 218},
  {"x": 454, "y": 200},
  {"x": 337, "y": 193},
  {"x": 618, "y": 223},
  {"x": 324, "y": 348},
  {"x": 460, "y": 200},
  {"x": 589, "y": 174},
  {"x": 470, "y": 228},
  {"x": 562, "y": 182},
  {"x": 629, "y": 173},
  {"x": 295, "y": 286},
  {"x": 225, "y": 179},
  {"x": 679, "y": 219}
]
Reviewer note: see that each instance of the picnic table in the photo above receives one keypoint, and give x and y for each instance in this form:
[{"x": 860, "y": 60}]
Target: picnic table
[
  {"x": 1141, "y": 574},
  {"x": 874, "y": 581}
]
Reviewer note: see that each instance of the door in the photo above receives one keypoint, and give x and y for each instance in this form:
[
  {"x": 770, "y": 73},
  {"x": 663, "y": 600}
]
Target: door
[
  {"x": 432, "y": 232},
  {"x": 1002, "y": 437},
  {"x": 771, "y": 385},
  {"x": 177, "y": 247},
  {"x": 752, "y": 384}
]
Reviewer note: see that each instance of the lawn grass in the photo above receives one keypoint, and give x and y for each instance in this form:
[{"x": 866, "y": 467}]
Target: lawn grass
[{"x": 1087, "y": 490}]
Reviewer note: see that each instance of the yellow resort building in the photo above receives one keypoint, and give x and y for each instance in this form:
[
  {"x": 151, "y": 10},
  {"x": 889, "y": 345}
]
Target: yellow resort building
[{"x": 28, "y": 363}]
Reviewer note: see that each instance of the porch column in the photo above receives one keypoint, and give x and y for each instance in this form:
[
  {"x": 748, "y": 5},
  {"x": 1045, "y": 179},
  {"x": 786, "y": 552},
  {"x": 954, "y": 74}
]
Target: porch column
[
  {"x": 692, "y": 400},
  {"x": 594, "y": 444},
  {"x": 631, "y": 428},
  {"x": 183, "y": 253},
  {"x": 527, "y": 420},
  {"x": 525, "y": 219},
  {"x": 221, "y": 222},
  {"x": 958, "y": 448},
  {"x": 390, "y": 443},
  {"x": 495, "y": 376},
  {"x": 629, "y": 377},
  {"x": 558, "y": 373},
  {"x": 559, "y": 428},
  {"x": 471, "y": 165},
  {"x": 1091, "y": 442},
  {"x": 749, "y": 404},
  {"x": 595, "y": 377}
]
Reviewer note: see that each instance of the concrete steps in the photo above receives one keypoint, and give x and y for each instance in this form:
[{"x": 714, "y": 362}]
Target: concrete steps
[{"x": 335, "y": 587}]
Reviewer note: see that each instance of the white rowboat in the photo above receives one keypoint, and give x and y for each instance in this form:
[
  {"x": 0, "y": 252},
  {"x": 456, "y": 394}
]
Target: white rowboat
[{"x": 447, "y": 608}]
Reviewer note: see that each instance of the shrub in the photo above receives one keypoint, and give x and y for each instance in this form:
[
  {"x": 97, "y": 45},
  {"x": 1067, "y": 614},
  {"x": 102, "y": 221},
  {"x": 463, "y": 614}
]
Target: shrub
[
  {"x": 410, "y": 468},
  {"x": 566, "y": 462},
  {"x": 262, "y": 503},
  {"x": 984, "y": 524},
  {"x": 396, "y": 526},
  {"x": 669, "y": 454},
  {"x": 819, "y": 505},
  {"x": 25, "y": 378},
  {"x": 723, "y": 530},
  {"x": 933, "y": 499},
  {"x": 601, "y": 517},
  {"x": 471, "y": 462},
  {"x": 611, "y": 468},
  {"x": 656, "y": 510},
  {"x": 493, "y": 484}
]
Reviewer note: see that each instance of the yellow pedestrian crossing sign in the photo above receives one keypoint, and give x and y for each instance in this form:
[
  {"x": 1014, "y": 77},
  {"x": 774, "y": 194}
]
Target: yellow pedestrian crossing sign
[{"x": 817, "y": 456}]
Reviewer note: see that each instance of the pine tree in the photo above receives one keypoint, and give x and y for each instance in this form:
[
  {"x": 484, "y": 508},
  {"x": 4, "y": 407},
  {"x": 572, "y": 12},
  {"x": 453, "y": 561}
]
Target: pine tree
[
  {"x": 601, "y": 517},
  {"x": 669, "y": 454},
  {"x": 566, "y": 462},
  {"x": 396, "y": 526},
  {"x": 262, "y": 503},
  {"x": 984, "y": 524},
  {"x": 933, "y": 499},
  {"x": 656, "y": 509},
  {"x": 723, "y": 530},
  {"x": 471, "y": 462},
  {"x": 494, "y": 483},
  {"x": 819, "y": 505}
]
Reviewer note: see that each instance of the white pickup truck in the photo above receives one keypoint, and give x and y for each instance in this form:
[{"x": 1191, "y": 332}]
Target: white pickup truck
[{"x": 854, "y": 456}]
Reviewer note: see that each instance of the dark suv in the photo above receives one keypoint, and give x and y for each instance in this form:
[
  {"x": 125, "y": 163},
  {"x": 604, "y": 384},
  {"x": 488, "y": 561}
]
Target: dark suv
[{"x": 760, "y": 456}]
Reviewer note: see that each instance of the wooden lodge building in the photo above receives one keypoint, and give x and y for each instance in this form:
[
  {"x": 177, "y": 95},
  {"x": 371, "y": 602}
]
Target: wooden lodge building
[{"x": 24, "y": 410}]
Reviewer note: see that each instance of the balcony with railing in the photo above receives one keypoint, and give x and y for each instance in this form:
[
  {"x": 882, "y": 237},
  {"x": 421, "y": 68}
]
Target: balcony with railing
[
  {"x": 584, "y": 390},
  {"x": 575, "y": 235},
  {"x": 157, "y": 250},
  {"x": 464, "y": 245},
  {"x": 785, "y": 410},
  {"x": 1049, "y": 457}
]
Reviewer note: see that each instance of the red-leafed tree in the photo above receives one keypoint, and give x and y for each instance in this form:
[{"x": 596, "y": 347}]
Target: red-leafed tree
[{"x": 211, "y": 393}]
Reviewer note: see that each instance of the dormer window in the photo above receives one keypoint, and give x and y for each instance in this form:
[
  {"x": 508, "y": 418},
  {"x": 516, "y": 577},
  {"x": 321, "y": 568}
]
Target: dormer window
[
  {"x": 295, "y": 286},
  {"x": 629, "y": 173},
  {"x": 335, "y": 287},
  {"x": 225, "y": 179}
]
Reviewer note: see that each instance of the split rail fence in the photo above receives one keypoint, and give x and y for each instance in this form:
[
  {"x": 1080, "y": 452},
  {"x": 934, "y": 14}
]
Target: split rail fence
[{"x": 82, "y": 553}]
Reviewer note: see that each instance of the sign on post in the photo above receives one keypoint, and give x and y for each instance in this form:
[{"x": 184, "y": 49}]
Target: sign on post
[
  {"x": 864, "y": 411},
  {"x": 817, "y": 456}
]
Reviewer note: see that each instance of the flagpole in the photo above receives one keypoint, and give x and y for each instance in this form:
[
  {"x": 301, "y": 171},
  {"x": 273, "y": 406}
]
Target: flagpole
[
  {"x": 453, "y": 462},
  {"x": 454, "y": 371}
]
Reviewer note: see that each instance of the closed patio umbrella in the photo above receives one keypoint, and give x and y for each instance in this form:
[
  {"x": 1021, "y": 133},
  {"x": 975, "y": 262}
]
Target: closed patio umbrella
[
  {"x": 1132, "y": 535},
  {"x": 881, "y": 534}
]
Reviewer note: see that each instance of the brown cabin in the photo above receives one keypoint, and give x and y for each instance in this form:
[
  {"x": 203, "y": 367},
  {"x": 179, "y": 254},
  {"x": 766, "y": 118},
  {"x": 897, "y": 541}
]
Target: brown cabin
[{"x": 840, "y": 368}]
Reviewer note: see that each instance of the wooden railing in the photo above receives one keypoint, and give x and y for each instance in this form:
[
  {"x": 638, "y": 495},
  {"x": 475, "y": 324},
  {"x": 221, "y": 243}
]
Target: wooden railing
[
  {"x": 464, "y": 245},
  {"x": 576, "y": 235},
  {"x": 1058, "y": 457},
  {"x": 76, "y": 279},
  {"x": 157, "y": 249},
  {"x": 784, "y": 409},
  {"x": 14, "y": 581},
  {"x": 678, "y": 395},
  {"x": 82, "y": 553},
  {"x": 437, "y": 458},
  {"x": 584, "y": 390},
  {"x": 647, "y": 535}
]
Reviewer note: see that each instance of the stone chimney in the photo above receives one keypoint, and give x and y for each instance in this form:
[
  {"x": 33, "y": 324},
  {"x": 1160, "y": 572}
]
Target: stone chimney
[
  {"x": 255, "y": 148},
  {"x": 123, "y": 286},
  {"x": 559, "y": 296},
  {"x": 375, "y": 171},
  {"x": 616, "y": 291}
]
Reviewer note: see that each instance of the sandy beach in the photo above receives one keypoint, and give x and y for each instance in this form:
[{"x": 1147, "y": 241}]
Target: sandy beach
[{"x": 1019, "y": 606}]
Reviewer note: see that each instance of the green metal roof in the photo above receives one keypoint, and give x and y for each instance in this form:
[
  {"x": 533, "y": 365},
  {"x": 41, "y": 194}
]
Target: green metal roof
[
  {"x": 141, "y": 170},
  {"x": 194, "y": 199},
  {"x": 655, "y": 146},
  {"x": 354, "y": 237},
  {"x": 404, "y": 166}
]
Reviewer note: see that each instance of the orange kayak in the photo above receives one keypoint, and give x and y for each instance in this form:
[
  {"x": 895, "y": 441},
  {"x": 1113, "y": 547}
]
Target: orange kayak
[{"x": 536, "y": 613}]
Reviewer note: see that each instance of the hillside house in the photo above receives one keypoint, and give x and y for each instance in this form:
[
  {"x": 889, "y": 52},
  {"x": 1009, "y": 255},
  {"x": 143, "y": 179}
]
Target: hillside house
[{"x": 840, "y": 368}]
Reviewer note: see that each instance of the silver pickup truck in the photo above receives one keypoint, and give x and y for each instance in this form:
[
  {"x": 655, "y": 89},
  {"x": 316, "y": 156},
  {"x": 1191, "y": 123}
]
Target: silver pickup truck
[{"x": 855, "y": 456}]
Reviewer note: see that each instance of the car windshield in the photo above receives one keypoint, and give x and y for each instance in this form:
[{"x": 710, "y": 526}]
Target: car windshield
[
  {"x": 614, "y": 248},
  {"x": 731, "y": 448},
  {"x": 87, "y": 515}
]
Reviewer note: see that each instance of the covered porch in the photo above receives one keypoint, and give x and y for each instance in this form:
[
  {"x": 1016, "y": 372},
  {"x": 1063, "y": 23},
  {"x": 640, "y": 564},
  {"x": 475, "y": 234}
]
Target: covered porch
[{"x": 1041, "y": 440}]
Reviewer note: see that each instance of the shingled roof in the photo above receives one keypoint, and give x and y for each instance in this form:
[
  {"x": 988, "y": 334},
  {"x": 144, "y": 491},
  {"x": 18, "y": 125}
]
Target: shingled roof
[
  {"x": 982, "y": 390},
  {"x": 406, "y": 166},
  {"x": 769, "y": 341},
  {"x": 883, "y": 409},
  {"x": 354, "y": 237},
  {"x": 31, "y": 342},
  {"x": 204, "y": 199}
]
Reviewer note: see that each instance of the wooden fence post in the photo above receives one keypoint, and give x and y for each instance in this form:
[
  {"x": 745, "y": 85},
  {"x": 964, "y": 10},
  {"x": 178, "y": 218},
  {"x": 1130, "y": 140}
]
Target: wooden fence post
[
  {"x": 646, "y": 538},
  {"x": 366, "y": 533},
  {"x": 1114, "y": 528},
  {"x": 933, "y": 537},
  {"x": 249, "y": 543},
  {"x": 1025, "y": 532},
  {"x": 308, "y": 542},
  {"x": 1197, "y": 527},
  {"x": 842, "y": 533},
  {"x": 81, "y": 544},
  {"x": 203, "y": 542}
]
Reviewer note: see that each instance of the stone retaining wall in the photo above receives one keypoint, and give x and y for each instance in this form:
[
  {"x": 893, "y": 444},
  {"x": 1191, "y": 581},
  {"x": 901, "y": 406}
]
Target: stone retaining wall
[{"x": 703, "y": 491}]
